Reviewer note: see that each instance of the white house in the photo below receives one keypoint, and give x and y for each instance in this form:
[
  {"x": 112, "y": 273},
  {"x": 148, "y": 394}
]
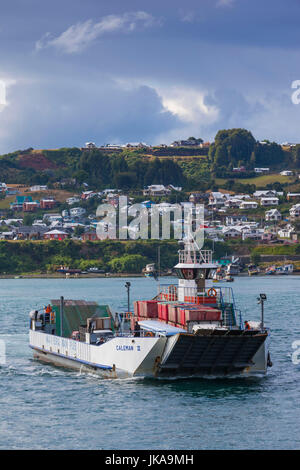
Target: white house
[
  {"x": 261, "y": 170},
  {"x": 156, "y": 190},
  {"x": 77, "y": 211},
  {"x": 235, "y": 219},
  {"x": 286, "y": 173},
  {"x": 73, "y": 200},
  {"x": 233, "y": 202},
  {"x": 249, "y": 205},
  {"x": 38, "y": 188},
  {"x": 286, "y": 232},
  {"x": 273, "y": 215},
  {"x": 231, "y": 232},
  {"x": 264, "y": 193},
  {"x": 269, "y": 201},
  {"x": 295, "y": 211},
  {"x": 90, "y": 145},
  {"x": 252, "y": 232},
  {"x": 217, "y": 199}
]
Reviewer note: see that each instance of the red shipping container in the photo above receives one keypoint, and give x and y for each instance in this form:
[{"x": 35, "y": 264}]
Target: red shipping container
[
  {"x": 163, "y": 312},
  {"x": 150, "y": 308},
  {"x": 195, "y": 315},
  {"x": 136, "y": 308},
  {"x": 172, "y": 313},
  {"x": 214, "y": 315}
]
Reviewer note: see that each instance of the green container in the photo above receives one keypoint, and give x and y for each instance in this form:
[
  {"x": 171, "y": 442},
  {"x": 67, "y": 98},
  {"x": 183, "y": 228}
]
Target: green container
[{"x": 76, "y": 313}]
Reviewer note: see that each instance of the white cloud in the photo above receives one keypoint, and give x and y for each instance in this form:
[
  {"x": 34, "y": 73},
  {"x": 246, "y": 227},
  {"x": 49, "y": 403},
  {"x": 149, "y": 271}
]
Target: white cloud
[
  {"x": 79, "y": 36},
  {"x": 4, "y": 84},
  {"x": 2, "y": 94},
  {"x": 188, "y": 104},
  {"x": 187, "y": 16}
]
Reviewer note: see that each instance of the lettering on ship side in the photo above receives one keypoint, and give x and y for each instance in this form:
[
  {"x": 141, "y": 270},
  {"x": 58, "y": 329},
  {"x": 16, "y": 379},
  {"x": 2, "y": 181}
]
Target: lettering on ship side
[{"x": 124, "y": 348}]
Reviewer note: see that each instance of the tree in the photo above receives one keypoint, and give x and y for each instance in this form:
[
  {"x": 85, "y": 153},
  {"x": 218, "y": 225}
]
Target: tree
[
  {"x": 28, "y": 219},
  {"x": 232, "y": 146}
]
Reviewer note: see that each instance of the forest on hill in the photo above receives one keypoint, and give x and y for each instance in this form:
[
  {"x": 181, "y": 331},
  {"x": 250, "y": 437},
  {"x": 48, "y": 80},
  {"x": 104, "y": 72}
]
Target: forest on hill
[{"x": 136, "y": 168}]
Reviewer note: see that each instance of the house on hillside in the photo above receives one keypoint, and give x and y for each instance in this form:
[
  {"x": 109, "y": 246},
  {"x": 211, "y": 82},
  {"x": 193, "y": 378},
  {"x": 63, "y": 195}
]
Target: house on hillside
[
  {"x": 273, "y": 215},
  {"x": 293, "y": 196},
  {"x": 235, "y": 219},
  {"x": 47, "y": 203},
  {"x": 55, "y": 235},
  {"x": 248, "y": 205},
  {"x": 31, "y": 206},
  {"x": 233, "y": 202},
  {"x": 231, "y": 232},
  {"x": 286, "y": 173},
  {"x": 77, "y": 212},
  {"x": 156, "y": 190},
  {"x": 197, "y": 198},
  {"x": 85, "y": 195},
  {"x": 17, "y": 205},
  {"x": 269, "y": 201},
  {"x": 217, "y": 199},
  {"x": 295, "y": 211},
  {"x": 38, "y": 187},
  {"x": 262, "y": 170},
  {"x": 34, "y": 232},
  {"x": 286, "y": 232},
  {"x": 73, "y": 200},
  {"x": 90, "y": 235}
]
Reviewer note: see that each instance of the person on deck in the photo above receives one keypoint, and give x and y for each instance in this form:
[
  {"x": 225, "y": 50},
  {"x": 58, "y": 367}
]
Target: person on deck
[
  {"x": 247, "y": 326},
  {"x": 48, "y": 310},
  {"x": 137, "y": 329}
]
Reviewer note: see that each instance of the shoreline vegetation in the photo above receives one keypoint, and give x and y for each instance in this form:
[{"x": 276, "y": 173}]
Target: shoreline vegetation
[{"x": 124, "y": 258}]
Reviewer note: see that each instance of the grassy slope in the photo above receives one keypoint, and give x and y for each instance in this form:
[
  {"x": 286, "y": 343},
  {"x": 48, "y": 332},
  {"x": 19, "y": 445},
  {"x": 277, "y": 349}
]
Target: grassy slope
[{"x": 260, "y": 181}]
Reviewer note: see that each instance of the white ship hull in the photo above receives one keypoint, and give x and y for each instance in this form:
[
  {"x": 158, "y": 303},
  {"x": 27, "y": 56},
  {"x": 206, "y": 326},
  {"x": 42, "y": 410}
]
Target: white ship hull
[
  {"x": 118, "y": 358},
  {"x": 158, "y": 356}
]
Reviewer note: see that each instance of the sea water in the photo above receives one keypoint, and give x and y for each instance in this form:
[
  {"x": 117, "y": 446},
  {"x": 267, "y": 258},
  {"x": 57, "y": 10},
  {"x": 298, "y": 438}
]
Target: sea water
[{"x": 44, "y": 407}]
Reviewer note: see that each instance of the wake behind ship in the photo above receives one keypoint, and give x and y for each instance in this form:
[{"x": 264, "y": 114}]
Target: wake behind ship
[{"x": 189, "y": 329}]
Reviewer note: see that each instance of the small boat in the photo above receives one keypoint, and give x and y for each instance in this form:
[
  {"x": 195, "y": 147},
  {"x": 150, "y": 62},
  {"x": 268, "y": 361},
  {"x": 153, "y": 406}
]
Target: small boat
[
  {"x": 288, "y": 268},
  {"x": 253, "y": 270},
  {"x": 150, "y": 270},
  {"x": 270, "y": 270},
  {"x": 285, "y": 269}
]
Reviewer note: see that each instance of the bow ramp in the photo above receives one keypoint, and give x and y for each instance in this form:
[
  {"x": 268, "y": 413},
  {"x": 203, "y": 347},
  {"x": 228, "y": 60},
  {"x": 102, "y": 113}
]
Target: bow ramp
[{"x": 219, "y": 353}]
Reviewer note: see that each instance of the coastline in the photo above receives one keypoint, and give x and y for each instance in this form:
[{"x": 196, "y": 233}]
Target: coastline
[{"x": 113, "y": 275}]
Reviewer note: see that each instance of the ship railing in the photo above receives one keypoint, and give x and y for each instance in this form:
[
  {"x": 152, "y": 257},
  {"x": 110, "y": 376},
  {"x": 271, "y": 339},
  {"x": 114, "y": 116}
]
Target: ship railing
[
  {"x": 226, "y": 298},
  {"x": 140, "y": 334},
  {"x": 195, "y": 257},
  {"x": 168, "y": 292}
]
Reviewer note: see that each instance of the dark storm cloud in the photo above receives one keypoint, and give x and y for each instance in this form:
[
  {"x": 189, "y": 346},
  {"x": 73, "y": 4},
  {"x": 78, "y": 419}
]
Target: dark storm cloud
[{"x": 188, "y": 68}]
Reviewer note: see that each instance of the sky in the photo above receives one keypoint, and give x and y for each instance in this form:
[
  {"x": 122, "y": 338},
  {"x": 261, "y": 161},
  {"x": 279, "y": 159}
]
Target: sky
[{"x": 118, "y": 71}]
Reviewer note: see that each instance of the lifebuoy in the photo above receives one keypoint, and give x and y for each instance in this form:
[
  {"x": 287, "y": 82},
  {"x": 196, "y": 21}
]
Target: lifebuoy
[
  {"x": 149, "y": 334},
  {"x": 212, "y": 292},
  {"x": 128, "y": 315}
]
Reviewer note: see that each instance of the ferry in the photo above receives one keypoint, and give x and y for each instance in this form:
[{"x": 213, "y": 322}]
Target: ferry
[{"x": 191, "y": 329}]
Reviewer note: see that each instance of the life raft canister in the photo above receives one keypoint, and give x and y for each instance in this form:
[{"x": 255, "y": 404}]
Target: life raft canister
[{"x": 212, "y": 292}]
